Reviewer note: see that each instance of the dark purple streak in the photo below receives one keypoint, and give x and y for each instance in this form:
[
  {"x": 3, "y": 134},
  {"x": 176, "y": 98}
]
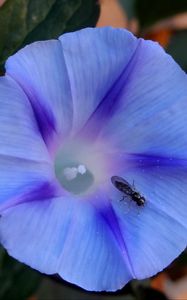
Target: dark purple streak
[{"x": 110, "y": 103}]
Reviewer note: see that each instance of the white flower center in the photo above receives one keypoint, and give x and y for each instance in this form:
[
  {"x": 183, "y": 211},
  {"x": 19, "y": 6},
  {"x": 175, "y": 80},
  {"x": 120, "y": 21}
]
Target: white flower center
[
  {"x": 80, "y": 167},
  {"x": 71, "y": 173}
]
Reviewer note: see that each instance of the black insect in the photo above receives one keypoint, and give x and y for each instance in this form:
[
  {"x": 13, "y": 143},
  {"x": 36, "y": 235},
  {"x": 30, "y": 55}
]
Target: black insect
[{"x": 128, "y": 190}]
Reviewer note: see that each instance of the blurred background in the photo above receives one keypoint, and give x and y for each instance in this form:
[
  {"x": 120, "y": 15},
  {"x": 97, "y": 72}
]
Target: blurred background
[{"x": 25, "y": 21}]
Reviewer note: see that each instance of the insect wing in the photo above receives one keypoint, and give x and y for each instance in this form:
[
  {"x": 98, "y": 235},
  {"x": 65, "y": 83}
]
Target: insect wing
[{"x": 125, "y": 186}]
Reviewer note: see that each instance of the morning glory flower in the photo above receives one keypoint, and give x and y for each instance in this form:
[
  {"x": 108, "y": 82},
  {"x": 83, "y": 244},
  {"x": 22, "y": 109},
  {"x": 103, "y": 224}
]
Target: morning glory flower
[{"x": 74, "y": 112}]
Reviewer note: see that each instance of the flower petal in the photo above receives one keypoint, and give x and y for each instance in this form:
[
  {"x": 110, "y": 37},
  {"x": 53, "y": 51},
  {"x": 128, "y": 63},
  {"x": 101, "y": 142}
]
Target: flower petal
[
  {"x": 19, "y": 134},
  {"x": 24, "y": 159},
  {"x": 69, "y": 237},
  {"x": 18, "y": 178},
  {"x": 95, "y": 60},
  {"x": 155, "y": 234},
  {"x": 40, "y": 70},
  {"x": 151, "y": 116},
  {"x": 59, "y": 84}
]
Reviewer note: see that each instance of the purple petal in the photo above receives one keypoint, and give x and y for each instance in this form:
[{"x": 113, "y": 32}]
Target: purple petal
[
  {"x": 152, "y": 113},
  {"x": 154, "y": 233},
  {"x": 69, "y": 237},
  {"x": 110, "y": 103},
  {"x": 95, "y": 60},
  {"x": 163, "y": 186},
  {"x": 18, "y": 178},
  {"x": 153, "y": 238},
  {"x": 122, "y": 162},
  {"x": 134, "y": 99},
  {"x": 40, "y": 70},
  {"x": 19, "y": 134},
  {"x": 24, "y": 159}
]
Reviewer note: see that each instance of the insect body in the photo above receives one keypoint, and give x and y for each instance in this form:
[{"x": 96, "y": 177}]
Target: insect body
[{"x": 128, "y": 190}]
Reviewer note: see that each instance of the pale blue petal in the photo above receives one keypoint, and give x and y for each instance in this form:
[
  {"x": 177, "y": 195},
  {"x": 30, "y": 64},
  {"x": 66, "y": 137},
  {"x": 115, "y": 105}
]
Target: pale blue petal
[
  {"x": 19, "y": 178},
  {"x": 19, "y": 133},
  {"x": 68, "y": 80},
  {"x": 65, "y": 236},
  {"x": 40, "y": 70},
  {"x": 95, "y": 61},
  {"x": 24, "y": 159},
  {"x": 155, "y": 234},
  {"x": 137, "y": 94},
  {"x": 151, "y": 117}
]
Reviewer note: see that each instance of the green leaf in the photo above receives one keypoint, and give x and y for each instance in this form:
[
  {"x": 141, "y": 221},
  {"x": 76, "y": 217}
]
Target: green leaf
[
  {"x": 149, "y": 12},
  {"x": 17, "y": 18},
  {"x": 128, "y": 6},
  {"x": 142, "y": 290},
  {"x": 65, "y": 16},
  {"x": 178, "y": 48},
  {"x": 17, "y": 280},
  {"x": 50, "y": 289},
  {"x": 26, "y": 21}
]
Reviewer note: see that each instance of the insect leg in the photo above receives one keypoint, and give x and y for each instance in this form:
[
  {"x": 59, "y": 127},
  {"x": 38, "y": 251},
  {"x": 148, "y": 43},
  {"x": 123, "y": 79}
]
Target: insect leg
[
  {"x": 124, "y": 196},
  {"x": 133, "y": 184}
]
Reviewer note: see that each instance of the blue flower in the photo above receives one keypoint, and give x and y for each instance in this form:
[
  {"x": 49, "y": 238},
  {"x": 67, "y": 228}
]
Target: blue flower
[{"x": 74, "y": 112}]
